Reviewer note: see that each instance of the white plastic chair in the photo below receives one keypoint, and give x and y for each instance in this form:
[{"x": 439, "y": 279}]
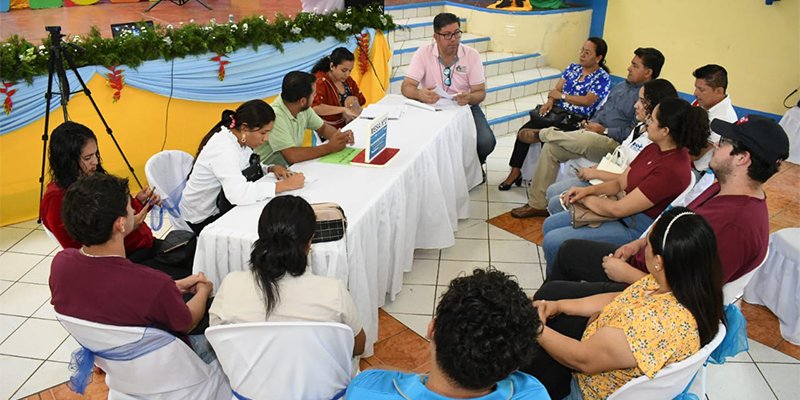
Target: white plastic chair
[
  {"x": 166, "y": 171},
  {"x": 673, "y": 378},
  {"x": 285, "y": 360},
  {"x": 731, "y": 291},
  {"x": 170, "y": 372}
]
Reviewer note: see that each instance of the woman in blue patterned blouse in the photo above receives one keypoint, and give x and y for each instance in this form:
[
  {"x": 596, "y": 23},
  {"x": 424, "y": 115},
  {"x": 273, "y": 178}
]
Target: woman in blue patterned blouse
[{"x": 582, "y": 88}]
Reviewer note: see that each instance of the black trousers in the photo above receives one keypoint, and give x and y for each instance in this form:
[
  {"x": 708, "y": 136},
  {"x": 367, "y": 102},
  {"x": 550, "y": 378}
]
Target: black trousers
[
  {"x": 520, "y": 147},
  {"x": 148, "y": 257},
  {"x": 581, "y": 260}
]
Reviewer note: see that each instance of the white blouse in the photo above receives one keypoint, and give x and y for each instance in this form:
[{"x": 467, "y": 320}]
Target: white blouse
[{"x": 219, "y": 166}]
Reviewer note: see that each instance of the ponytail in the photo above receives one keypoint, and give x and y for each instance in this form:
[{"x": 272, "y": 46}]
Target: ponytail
[
  {"x": 254, "y": 114},
  {"x": 285, "y": 228},
  {"x": 324, "y": 65},
  {"x": 603, "y": 65},
  {"x": 227, "y": 117}
]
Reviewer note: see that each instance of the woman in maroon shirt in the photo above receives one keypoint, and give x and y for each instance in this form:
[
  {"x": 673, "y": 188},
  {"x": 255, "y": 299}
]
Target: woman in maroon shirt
[
  {"x": 338, "y": 99},
  {"x": 656, "y": 177},
  {"x": 73, "y": 154}
]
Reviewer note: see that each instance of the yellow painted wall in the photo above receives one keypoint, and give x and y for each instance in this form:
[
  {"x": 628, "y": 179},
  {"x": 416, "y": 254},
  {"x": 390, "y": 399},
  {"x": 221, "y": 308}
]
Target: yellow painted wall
[
  {"x": 759, "y": 45},
  {"x": 558, "y": 36},
  {"x": 138, "y": 121}
]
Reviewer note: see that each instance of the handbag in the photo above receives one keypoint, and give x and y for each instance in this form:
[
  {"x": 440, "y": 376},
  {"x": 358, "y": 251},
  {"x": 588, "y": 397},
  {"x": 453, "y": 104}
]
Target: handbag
[
  {"x": 252, "y": 173},
  {"x": 583, "y": 216},
  {"x": 177, "y": 248},
  {"x": 558, "y": 117},
  {"x": 614, "y": 162},
  {"x": 331, "y": 222}
]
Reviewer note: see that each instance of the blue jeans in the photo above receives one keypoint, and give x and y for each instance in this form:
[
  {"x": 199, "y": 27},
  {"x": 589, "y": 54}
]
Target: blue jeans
[
  {"x": 486, "y": 139},
  {"x": 553, "y": 193},
  {"x": 575, "y": 393},
  {"x": 558, "y": 228}
]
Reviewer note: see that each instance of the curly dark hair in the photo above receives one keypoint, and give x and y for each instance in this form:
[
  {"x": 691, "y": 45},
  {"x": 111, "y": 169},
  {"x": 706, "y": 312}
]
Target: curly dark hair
[
  {"x": 688, "y": 126},
  {"x": 66, "y": 144},
  {"x": 91, "y": 206},
  {"x": 485, "y": 328}
]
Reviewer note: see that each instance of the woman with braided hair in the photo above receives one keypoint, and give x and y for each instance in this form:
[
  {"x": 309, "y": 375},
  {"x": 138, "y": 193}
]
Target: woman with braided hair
[{"x": 279, "y": 286}]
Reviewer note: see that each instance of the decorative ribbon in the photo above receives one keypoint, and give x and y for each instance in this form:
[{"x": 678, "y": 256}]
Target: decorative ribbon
[
  {"x": 222, "y": 63},
  {"x": 116, "y": 81},
  {"x": 82, "y": 362},
  {"x": 8, "y": 104}
]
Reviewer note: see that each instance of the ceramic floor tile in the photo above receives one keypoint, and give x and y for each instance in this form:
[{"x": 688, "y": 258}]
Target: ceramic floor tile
[
  {"x": 388, "y": 326},
  {"x": 761, "y": 353},
  {"x": 426, "y": 254},
  {"x": 762, "y": 325},
  {"x": 496, "y": 55},
  {"x": 40, "y": 273},
  {"x": 48, "y": 375},
  {"x": 10, "y": 236},
  {"x": 498, "y": 113},
  {"x": 478, "y": 210},
  {"x": 547, "y": 71},
  {"x": 517, "y": 194},
  {"x": 31, "y": 224},
  {"x": 14, "y": 265},
  {"x": 8, "y": 324},
  {"x": 423, "y": 272},
  {"x": 478, "y": 193},
  {"x": 527, "y": 75},
  {"x": 506, "y": 106},
  {"x": 782, "y": 379},
  {"x": 513, "y": 251},
  {"x": 16, "y": 371},
  {"x": 64, "y": 351},
  {"x": 529, "y": 275},
  {"x": 449, "y": 270},
  {"x": 493, "y": 178},
  {"x": 477, "y": 229},
  {"x": 499, "y": 80},
  {"x": 46, "y": 311},
  {"x": 404, "y": 351},
  {"x": 5, "y": 285},
  {"x": 35, "y": 338},
  {"x": 467, "y": 250},
  {"x": 36, "y": 243},
  {"x": 417, "y": 323},
  {"x": 790, "y": 349},
  {"x": 736, "y": 381},
  {"x": 23, "y": 299},
  {"x": 506, "y": 140},
  {"x": 412, "y": 299}
]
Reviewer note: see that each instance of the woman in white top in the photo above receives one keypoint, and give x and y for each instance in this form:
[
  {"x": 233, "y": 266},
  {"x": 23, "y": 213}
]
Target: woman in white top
[
  {"x": 279, "y": 287},
  {"x": 223, "y": 153},
  {"x": 650, "y": 94}
]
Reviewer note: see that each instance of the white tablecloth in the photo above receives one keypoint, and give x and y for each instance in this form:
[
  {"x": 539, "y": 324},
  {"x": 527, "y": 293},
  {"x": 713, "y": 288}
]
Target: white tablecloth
[
  {"x": 776, "y": 285},
  {"x": 791, "y": 124},
  {"x": 413, "y": 202}
]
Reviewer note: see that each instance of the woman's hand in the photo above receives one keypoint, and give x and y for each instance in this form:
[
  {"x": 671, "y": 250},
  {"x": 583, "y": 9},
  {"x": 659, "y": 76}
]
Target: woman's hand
[
  {"x": 575, "y": 194},
  {"x": 280, "y": 172},
  {"x": 294, "y": 181},
  {"x": 546, "y": 107},
  {"x": 586, "y": 174},
  {"x": 620, "y": 271},
  {"x": 627, "y": 250},
  {"x": 546, "y": 309},
  {"x": 148, "y": 195},
  {"x": 138, "y": 218},
  {"x": 555, "y": 94}
]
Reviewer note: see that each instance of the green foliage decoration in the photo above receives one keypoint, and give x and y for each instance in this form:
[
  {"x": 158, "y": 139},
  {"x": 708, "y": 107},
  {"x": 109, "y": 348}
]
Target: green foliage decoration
[{"x": 22, "y": 60}]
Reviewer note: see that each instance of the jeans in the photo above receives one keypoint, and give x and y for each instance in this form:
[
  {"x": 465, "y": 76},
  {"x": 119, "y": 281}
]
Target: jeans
[
  {"x": 558, "y": 228},
  {"x": 486, "y": 139},
  {"x": 554, "y": 191}
]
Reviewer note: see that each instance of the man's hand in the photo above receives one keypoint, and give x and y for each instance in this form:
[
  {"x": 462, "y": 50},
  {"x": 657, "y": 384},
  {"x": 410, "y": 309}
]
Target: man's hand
[
  {"x": 428, "y": 96},
  {"x": 189, "y": 284},
  {"x": 338, "y": 141},
  {"x": 138, "y": 219},
  {"x": 462, "y": 98},
  {"x": 351, "y": 139},
  {"x": 626, "y": 251},
  {"x": 594, "y": 127}
]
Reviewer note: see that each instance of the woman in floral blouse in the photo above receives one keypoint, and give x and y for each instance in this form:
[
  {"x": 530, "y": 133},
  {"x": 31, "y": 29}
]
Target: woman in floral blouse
[{"x": 665, "y": 317}]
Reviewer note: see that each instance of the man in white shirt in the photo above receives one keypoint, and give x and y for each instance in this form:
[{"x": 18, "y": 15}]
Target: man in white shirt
[{"x": 710, "y": 86}]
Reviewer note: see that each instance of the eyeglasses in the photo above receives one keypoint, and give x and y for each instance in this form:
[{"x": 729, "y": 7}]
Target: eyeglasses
[
  {"x": 450, "y": 35},
  {"x": 448, "y": 73},
  {"x": 724, "y": 140}
]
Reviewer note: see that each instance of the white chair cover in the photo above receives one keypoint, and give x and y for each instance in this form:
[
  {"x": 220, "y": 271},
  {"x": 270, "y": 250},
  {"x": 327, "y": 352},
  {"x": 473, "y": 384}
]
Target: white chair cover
[
  {"x": 791, "y": 124},
  {"x": 285, "y": 360},
  {"x": 322, "y": 6},
  {"x": 731, "y": 291},
  {"x": 776, "y": 285},
  {"x": 165, "y": 171},
  {"x": 171, "y": 372},
  {"x": 673, "y": 378}
]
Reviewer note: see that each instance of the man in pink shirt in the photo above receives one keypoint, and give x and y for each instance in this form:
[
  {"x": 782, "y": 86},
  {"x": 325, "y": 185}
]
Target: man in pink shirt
[{"x": 456, "y": 69}]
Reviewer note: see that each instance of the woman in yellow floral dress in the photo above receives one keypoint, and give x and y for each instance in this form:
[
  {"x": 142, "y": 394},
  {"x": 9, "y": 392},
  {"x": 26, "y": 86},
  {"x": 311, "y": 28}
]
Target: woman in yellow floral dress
[{"x": 665, "y": 317}]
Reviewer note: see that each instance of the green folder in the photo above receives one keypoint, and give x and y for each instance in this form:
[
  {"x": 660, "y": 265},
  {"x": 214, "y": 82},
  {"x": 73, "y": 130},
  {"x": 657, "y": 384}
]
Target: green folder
[{"x": 343, "y": 156}]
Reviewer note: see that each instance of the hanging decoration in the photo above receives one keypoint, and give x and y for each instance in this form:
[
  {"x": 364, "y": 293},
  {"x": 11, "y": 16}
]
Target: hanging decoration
[
  {"x": 8, "y": 104},
  {"x": 116, "y": 81},
  {"x": 362, "y": 51},
  {"x": 222, "y": 63}
]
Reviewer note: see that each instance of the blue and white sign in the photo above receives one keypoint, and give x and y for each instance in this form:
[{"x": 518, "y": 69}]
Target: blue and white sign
[{"x": 377, "y": 137}]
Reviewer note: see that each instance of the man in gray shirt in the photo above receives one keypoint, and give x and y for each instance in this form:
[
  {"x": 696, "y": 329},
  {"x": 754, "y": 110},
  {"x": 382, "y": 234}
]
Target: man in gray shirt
[{"x": 600, "y": 135}]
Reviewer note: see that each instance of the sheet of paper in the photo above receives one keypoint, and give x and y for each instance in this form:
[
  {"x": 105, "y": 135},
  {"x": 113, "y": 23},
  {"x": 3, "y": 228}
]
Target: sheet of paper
[
  {"x": 442, "y": 93},
  {"x": 375, "y": 110}
]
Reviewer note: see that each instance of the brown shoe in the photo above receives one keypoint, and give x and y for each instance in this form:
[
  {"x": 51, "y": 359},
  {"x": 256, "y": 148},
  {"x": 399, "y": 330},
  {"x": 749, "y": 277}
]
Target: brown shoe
[{"x": 527, "y": 211}]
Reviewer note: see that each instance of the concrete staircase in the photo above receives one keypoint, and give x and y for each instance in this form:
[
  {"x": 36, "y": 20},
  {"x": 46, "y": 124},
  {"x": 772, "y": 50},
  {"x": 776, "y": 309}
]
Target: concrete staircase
[{"x": 516, "y": 82}]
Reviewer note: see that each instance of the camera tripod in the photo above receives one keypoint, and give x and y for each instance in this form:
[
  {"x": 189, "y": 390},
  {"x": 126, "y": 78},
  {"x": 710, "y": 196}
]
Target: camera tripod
[{"x": 55, "y": 66}]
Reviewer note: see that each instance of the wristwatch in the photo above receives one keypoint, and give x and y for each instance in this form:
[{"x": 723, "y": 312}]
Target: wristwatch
[{"x": 563, "y": 96}]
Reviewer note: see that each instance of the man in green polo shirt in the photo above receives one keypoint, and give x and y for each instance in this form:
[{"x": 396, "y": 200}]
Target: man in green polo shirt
[{"x": 293, "y": 115}]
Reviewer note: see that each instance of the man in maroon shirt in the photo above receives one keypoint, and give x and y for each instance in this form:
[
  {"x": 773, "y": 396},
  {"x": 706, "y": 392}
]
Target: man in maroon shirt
[
  {"x": 97, "y": 283},
  {"x": 748, "y": 154}
]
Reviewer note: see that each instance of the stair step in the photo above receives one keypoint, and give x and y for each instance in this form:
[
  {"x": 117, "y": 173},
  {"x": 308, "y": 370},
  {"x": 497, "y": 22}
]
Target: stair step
[{"x": 406, "y": 11}]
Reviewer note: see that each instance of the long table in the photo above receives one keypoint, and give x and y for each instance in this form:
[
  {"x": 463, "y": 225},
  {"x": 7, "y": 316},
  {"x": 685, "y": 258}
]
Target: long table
[{"x": 414, "y": 202}]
